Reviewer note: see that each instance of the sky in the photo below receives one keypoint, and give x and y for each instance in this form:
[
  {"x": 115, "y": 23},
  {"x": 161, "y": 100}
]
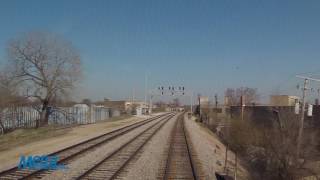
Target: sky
[{"x": 204, "y": 45}]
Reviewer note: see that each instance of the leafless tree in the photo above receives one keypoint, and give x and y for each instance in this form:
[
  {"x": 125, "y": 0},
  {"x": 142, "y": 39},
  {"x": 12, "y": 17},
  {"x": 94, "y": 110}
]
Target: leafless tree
[
  {"x": 234, "y": 95},
  {"x": 160, "y": 104},
  {"x": 230, "y": 93},
  {"x": 46, "y": 65},
  {"x": 8, "y": 93},
  {"x": 86, "y": 101},
  {"x": 271, "y": 151},
  {"x": 250, "y": 94},
  {"x": 176, "y": 102}
]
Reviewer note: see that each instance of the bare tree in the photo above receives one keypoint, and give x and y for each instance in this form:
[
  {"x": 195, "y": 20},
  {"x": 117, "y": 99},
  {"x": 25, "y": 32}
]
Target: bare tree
[
  {"x": 176, "y": 102},
  {"x": 8, "y": 93},
  {"x": 160, "y": 104},
  {"x": 271, "y": 150},
  {"x": 230, "y": 93},
  {"x": 234, "y": 95},
  {"x": 250, "y": 94},
  {"x": 46, "y": 65},
  {"x": 87, "y": 101}
]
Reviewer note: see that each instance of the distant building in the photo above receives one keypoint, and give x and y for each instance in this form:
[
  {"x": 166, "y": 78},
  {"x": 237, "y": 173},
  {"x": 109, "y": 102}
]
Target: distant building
[
  {"x": 283, "y": 100},
  {"x": 123, "y": 106},
  {"x": 83, "y": 106},
  {"x": 120, "y": 105},
  {"x": 204, "y": 101},
  {"x": 227, "y": 101},
  {"x": 140, "y": 107}
]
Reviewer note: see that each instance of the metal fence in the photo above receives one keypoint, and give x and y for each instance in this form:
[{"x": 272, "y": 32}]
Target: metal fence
[
  {"x": 26, "y": 117},
  {"x": 17, "y": 117}
]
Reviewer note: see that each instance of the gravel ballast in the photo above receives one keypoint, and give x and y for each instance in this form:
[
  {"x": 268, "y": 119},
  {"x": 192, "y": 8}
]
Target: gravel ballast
[
  {"x": 150, "y": 162},
  {"x": 77, "y": 166}
]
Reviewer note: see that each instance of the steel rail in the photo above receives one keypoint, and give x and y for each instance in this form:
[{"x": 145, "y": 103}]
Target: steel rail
[
  {"x": 114, "y": 171},
  {"x": 16, "y": 173}
]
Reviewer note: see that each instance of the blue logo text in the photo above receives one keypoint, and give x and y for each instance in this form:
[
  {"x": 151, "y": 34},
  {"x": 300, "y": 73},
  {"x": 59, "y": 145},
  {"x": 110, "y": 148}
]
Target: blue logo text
[{"x": 40, "y": 163}]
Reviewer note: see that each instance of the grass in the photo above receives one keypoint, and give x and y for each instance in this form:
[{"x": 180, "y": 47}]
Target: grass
[
  {"x": 122, "y": 117},
  {"x": 24, "y": 136},
  {"x": 114, "y": 119}
]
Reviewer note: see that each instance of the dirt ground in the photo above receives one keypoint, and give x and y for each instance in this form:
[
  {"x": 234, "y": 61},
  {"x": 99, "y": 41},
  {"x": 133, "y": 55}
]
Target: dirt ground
[{"x": 52, "y": 141}]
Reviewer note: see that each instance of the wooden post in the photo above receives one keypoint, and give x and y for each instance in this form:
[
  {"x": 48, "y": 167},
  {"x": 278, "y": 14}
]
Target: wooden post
[
  {"x": 236, "y": 166},
  {"x": 226, "y": 160}
]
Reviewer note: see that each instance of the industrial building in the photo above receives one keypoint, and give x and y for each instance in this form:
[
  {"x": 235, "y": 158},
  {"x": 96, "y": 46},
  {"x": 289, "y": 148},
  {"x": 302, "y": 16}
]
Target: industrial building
[{"x": 283, "y": 100}]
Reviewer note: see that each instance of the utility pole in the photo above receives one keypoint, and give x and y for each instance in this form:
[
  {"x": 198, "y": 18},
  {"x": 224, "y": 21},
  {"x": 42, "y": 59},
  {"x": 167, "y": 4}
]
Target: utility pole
[
  {"x": 191, "y": 102},
  {"x": 133, "y": 94},
  {"x": 146, "y": 87},
  {"x": 150, "y": 105},
  {"x": 242, "y": 101},
  {"x": 216, "y": 100},
  {"x": 200, "y": 113},
  {"x": 301, "y": 124}
]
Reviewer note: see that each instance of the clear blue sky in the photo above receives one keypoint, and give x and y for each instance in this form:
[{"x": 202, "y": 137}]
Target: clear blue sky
[{"x": 206, "y": 45}]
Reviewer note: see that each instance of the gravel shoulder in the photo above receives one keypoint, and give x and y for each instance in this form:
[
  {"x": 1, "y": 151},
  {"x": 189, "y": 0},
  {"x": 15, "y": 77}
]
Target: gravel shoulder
[
  {"x": 73, "y": 135},
  {"x": 210, "y": 152}
]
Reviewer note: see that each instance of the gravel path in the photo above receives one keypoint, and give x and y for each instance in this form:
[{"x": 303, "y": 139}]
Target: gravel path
[
  {"x": 150, "y": 162},
  {"x": 211, "y": 152},
  {"x": 91, "y": 158}
]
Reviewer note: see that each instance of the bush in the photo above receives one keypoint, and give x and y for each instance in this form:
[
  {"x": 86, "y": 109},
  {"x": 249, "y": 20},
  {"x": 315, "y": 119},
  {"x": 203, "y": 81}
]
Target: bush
[{"x": 270, "y": 151}]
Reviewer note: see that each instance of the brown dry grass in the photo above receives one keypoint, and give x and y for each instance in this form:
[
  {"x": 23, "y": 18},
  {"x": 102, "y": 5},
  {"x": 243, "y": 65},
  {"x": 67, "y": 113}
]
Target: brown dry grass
[{"x": 25, "y": 136}]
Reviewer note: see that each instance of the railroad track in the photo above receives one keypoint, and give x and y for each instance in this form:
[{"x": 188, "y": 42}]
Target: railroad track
[
  {"x": 179, "y": 161},
  {"x": 70, "y": 153},
  {"x": 111, "y": 166}
]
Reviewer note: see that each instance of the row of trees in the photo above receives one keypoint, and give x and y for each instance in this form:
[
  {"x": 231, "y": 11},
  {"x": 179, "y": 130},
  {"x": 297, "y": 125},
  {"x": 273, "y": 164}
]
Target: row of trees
[{"x": 40, "y": 69}]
